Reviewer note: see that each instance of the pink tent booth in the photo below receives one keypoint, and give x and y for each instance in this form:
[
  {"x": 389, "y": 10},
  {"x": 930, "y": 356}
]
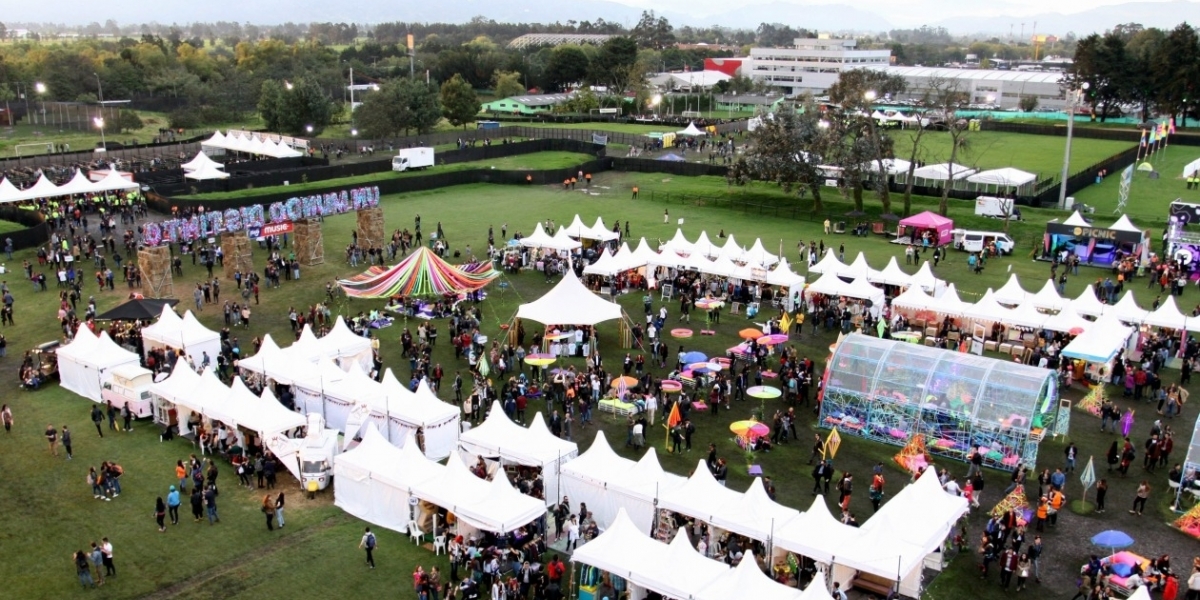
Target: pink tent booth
[{"x": 916, "y": 226}]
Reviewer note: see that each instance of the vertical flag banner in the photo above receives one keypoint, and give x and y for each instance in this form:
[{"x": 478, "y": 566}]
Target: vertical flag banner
[
  {"x": 1123, "y": 194},
  {"x": 832, "y": 443}
]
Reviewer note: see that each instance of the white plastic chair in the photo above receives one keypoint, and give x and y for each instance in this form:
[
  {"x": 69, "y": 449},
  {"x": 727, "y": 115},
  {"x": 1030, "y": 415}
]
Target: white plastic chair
[
  {"x": 439, "y": 545},
  {"x": 414, "y": 532}
]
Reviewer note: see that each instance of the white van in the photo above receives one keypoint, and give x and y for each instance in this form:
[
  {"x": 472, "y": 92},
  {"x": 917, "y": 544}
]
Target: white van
[
  {"x": 975, "y": 241},
  {"x": 1000, "y": 208},
  {"x": 130, "y": 384}
]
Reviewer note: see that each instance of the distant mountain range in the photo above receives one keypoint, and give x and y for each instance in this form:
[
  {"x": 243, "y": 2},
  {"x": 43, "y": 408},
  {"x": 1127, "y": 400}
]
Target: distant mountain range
[{"x": 822, "y": 17}]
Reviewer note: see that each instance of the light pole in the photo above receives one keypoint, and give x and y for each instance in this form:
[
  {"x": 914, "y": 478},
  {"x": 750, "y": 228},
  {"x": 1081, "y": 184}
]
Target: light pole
[
  {"x": 100, "y": 96},
  {"x": 1072, "y": 101},
  {"x": 40, "y": 88},
  {"x": 99, "y": 121}
]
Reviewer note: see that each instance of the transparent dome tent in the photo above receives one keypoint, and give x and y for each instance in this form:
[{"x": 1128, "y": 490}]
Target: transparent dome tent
[{"x": 888, "y": 391}]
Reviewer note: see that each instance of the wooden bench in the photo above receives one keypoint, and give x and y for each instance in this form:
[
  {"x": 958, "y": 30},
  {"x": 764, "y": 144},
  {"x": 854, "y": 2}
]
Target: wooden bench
[{"x": 872, "y": 583}]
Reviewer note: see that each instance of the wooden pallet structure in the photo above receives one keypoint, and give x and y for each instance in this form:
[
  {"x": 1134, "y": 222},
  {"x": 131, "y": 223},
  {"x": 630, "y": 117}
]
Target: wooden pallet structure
[
  {"x": 308, "y": 242},
  {"x": 236, "y": 248},
  {"x": 155, "y": 264},
  {"x": 370, "y": 228}
]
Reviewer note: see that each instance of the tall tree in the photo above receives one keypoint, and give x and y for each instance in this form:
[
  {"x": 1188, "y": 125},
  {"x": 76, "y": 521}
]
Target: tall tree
[
  {"x": 786, "y": 150},
  {"x": 1102, "y": 63},
  {"x": 856, "y": 91},
  {"x": 653, "y": 31},
  {"x": 614, "y": 66},
  {"x": 1142, "y": 48},
  {"x": 1177, "y": 73},
  {"x": 506, "y": 84},
  {"x": 460, "y": 105},
  {"x": 567, "y": 66},
  {"x": 295, "y": 107}
]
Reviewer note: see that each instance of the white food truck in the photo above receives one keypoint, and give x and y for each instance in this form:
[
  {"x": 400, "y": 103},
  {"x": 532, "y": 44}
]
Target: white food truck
[{"x": 130, "y": 384}]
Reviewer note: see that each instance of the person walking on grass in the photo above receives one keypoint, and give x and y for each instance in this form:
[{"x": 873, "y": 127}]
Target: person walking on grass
[
  {"x": 66, "y": 441},
  {"x": 106, "y": 547},
  {"x": 97, "y": 419},
  {"x": 279, "y": 502},
  {"x": 268, "y": 509},
  {"x": 210, "y": 500},
  {"x": 1139, "y": 500},
  {"x": 52, "y": 438},
  {"x": 160, "y": 514},
  {"x": 1101, "y": 492},
  {"x": 97, "y": 558},
  {"x": 6, "y": 417},
  {"x": 173, "y": 505},
  {"x": 197, "y": 505},
  {"x": 368, "y": 543},
  {"x": 82, "y": 569}
]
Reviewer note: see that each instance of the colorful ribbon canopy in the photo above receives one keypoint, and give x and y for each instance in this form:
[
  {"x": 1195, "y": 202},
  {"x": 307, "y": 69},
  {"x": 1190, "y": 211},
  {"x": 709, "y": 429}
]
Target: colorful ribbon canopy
[{"x": 422, "y": 273}]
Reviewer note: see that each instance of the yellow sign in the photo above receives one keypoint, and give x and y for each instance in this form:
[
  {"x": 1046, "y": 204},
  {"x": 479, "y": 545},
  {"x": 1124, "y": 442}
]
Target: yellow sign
[
  {"x": 832, "y": 443},
  {"x": 410, "y": 41}
]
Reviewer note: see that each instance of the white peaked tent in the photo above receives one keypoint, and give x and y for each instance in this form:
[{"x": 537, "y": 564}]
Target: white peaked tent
[
  {"x": 578, "y": 230},
  {"x": 605, "y": 266},
  {"x": 586, "y": 479},
  {"x": 199, "y": 161},
  {"x": 114, "y": 181},
  {"x": 408, "y": 410},
  {"x": 643, "y": 254},
  {"x": 943, "y": 171},
  {"x": 498, "y": 437},
  {"x": 205, "y": 172},
  {"x": 759, "y": 255},
  {"x": 645, "y": 485},
  {"x": 828, "y": 264},
  {"x": 8, "y": 191},
  {"x": 538, "y": 239},
  {"x": 678, "y": 244},
  {"x": 356, "y": 389},
  {"x": 1047, "y": 298},
  {"x": 705, "y": 247},
  {"x": 1025, "y": 315},
  {"x": 1011, "y": 293},
  {"x": 1168, "y": 316},
  {"x": 1127, "y": 309},
  {"x": 881, "y": 553},
  {"x": 891, "y": 274},
  {"x": 1076, "y": 220},
  {"x": 754, "y": 514},
  {"x": 625, "y": 259},
  {"x": 275, "y": 363},
  {"x": 186, "y": 334},
  {"x": 602, "y": 233},
  {"x": 987, "y": 309},
  {"x": 85, "y": 364},
  {"x": 267, "y": 416},
  {"x": 346, "y": 348},
  {"x": 700, "y": 497},
  {"x": 306, "y": 349},
  {"x": 490, "y": 506},
  {"x": 1192, "y": 168},
  {"x": 217, "y": 140},
  {"x": 1067, "y": 321},
  {"x": 569, "y": 303},
  {"x": 732, "y": 250},
  {"x": 1124, "y": 224},
  {"x": 375, "y": 479},
  {"x": 925, "y": 279},
  {"x": 682, "y": 572},
  {"x": 622, "y": 549},
  {"x": 748, "y": 581},
  {"x": 1101, "y": 342},
  {"x": 209, "y": 398},
  {"x": 938, "y": 512},
  {"x": 782, "y": 275},
  {"x": 1006, "y": 176},
  {"x": 310, "y": 391},
  {"x": 949, "y": 302},
  {"x": 914, "y": 298},
  {"x": 178, "y": 384},
  {"x": 815, "y": 534},
  {"x": 691, "y": 129},
  {"x": 42, "y": 188},
  {"x": 893, "y": 166},
  {"x": 1087, "y": 304},
  {"x": 79, "y": 184},
  {"x": 563, "y": 241}
]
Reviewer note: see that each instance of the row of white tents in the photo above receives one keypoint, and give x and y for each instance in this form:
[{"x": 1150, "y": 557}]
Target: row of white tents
[
  {"x": 80, "y": 184},
  {"x": 624, "y": 497},
  {"x": 250, "y": 143}
]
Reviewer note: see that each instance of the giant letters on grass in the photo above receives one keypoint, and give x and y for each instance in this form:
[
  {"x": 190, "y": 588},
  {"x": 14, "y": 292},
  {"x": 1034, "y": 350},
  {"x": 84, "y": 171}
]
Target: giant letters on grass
[{"x": 216, "y": 222}]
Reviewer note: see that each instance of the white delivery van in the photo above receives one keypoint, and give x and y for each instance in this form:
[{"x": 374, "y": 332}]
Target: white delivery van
[
  {"x": 130, "y": 384},
  {"x": 1000, "y": 208},
  {"x": 975, "y": 241},
  {"x": 407, "y": 159}
]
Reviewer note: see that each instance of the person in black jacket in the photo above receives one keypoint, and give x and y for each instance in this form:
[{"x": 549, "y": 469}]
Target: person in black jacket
[{"x": 822, "y": 472}]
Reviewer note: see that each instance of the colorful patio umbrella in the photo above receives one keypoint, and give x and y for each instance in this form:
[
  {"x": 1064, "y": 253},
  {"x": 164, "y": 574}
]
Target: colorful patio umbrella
[
  {"x": 774, "y": 338},
  {"x": 694, "y": 357},
  {"x": 763, "y": 391},
  {"x": 422, "y": 273},
  {"x": 750, "y": 333},
  {"x": 749, "y": 429},
  {"x": 540, "y": 360},
  {"x": 625, "y": 380}
]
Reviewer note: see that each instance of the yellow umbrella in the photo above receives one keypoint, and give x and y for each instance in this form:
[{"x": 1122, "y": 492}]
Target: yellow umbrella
[
  {"x": 625, "y": 380},
  {"x": 749, "y": 429}
]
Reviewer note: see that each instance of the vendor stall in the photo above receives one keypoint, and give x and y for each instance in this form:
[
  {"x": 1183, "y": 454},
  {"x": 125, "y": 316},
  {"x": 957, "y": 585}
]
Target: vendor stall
[
  {"x": 1096, "y": 246},
  {"x": 375, "y": 480},
  {"x": 186, "y": 334},
  {"x": 409, "y": 413},
  {"x": 926, "y": 229},
  {"x": 85, "y": 365},
  {"x": 499, "y": 438}
]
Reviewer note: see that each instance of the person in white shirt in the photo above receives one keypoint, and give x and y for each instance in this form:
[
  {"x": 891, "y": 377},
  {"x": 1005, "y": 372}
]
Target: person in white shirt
[
  {"x": 952, "y": 488},
  {"x": 651, "y": 406},
  {"x": 572, "y": 533}
]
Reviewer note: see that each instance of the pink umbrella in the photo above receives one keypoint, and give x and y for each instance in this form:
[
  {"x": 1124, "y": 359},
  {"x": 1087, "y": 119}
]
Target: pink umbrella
[
  {"x": 670, "y": 385},
  {"x": 774, "y": 338}
]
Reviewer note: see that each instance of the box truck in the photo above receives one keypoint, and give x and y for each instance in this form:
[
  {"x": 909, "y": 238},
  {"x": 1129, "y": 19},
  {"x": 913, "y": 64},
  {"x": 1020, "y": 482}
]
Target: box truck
[
  {"x": 407, "y": 159},
  {"x": 1000, "y": 208}
]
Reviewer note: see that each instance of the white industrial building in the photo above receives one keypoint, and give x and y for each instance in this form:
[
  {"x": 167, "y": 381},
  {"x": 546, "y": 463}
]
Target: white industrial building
[
  {"x": 811, "y": 65},
  {"x": 1001, "y": 88}
]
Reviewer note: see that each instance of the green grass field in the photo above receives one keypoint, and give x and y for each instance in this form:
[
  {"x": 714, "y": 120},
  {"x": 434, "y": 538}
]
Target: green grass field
[
  {"x": 615, "y": 127},
  {"x": 1148, "y": 198},
  {"x": 49, "y": 512},
  {"x": 992, "y": 149}
]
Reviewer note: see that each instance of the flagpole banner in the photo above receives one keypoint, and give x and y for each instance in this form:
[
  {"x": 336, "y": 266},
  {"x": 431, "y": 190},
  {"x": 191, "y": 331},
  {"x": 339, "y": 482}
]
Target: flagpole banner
[
  {"x": 1088, "y": 477},
  {"x": 1123, "y": 194}
]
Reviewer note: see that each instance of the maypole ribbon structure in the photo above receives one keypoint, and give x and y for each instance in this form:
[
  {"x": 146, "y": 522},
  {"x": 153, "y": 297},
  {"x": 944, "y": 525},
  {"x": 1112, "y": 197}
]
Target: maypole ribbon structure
[{"x": 422, "y": 273}]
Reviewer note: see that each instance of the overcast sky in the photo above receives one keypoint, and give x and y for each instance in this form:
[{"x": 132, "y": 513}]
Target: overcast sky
[{"x": 908, "y": 11}]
